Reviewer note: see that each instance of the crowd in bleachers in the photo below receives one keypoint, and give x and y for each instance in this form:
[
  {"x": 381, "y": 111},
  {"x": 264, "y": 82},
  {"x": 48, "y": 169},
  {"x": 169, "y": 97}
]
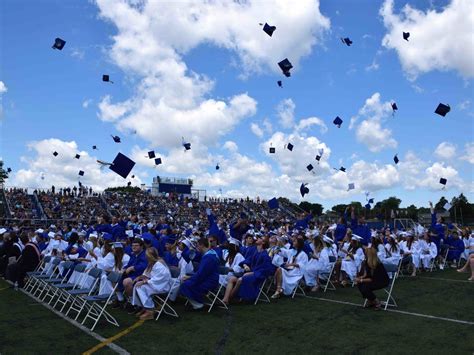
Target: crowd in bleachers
[
  {"x": 224, "y": 251},
  {"x": 20, "y": 204}
]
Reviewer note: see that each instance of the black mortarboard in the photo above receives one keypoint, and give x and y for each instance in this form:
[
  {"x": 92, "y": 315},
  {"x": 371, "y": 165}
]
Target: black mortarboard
[
  {"x": 106, "y": 78},
  {"x": 151, "y": 154},
  {"x": 280, "y": 84},
  {"x": 115, "y": 138},
  {"x": 346, "y": 41},
  {"x": 290, "y": 146},
  {"x": 55, "y": 154},
  {"x": 394, "y": 106},
  {"x": 318, "y": 157},
  {"x": 268, "y": 29},
  {"x": 94, "y": 147},
  {"x": 443, "y": 181},
  {"x": 9, "y": 170},
  {"x": 272, "y": 150},
  {"x": 129, "y": 183},
  {"x": 122, "y": 165},
  {"x": 186, "y": 145},
  {"x": 338, "y": 121},
  {"x": 442, "y": 109},
  {"x": 133, "y": 176},
  {"x": 285, "y": 67},
  {"x": 367, "y": 206},
  {"x": 157, "y": 161},
  {"x": 406, "y": 35},
  {"x": 303, "y": 189},
  {"x": 342, "y": 169},
  {"x": 77, "y": 156},
  {"x": 310, "y": 167},
  {"x": 81, "y": 173},
  {"x": 59, "y": 43},
  {"x": 395, "y": 159},
  {"x": 371, "y": 200},
  {"x": 217, "y": 166}
]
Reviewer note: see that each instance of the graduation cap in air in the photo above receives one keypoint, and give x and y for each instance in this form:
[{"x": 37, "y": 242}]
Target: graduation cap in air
[
  {"x": 106, "y": 78},
  {"x": 94, "y": 147},
  {"x": 157, "y": 161},
  {"x": 395, "y": 159},
  {"x": 186, "y": 145},
  {"x": 272, "y": 150},
  {"x": 367, "y": 206},
  {"x": 447, "y": 206},
  {"x": 151, "y": 154},
  {"x": 59, "y": 43},
  {"x": 318, "y": 158},
  {"x": 81, "y": 173},
  {"x": 442, "y": 109},
  {"x": 268, "y": 29},
  {"x": 310, "y": 167},
  {"x": 406, "y": 35},
  {"x": 342, "y": 169},
  {"x": 338, "y": 121},
  {"x": 280, "y": 84},
  {"x": 290, "y": 147},
  {"x": 371, "y": 200},
  {"x": 443, "y": 181},
  {"x": 116, "y": 138},
  {"x": 55, "y": 154},
  {"x": 346, "y": 41},
  {"x": 77, "y": 156},
  {"x": 217, "y": 166},
  {"x": 350, "y": 186},
  {"x": 394, "y": 107},
  {"x": 285, "y": 67},
  {"x": 303, "y": 189},
  {"x": 273, "y": 203},
  {"x": 133, "y": 176},
  {"x": 122, "y": 165},
  {"x": 129, "y": 183},
  {"x": 9, "y": 170}
]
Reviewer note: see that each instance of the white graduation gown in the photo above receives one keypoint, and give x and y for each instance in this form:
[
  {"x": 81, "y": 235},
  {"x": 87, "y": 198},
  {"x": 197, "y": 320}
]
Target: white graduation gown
[
  {"x": 317, "y": 264},
  {"x": 224, "y": 279},
  {"x": 428, "y": 252},
  {"x": 290, "y": 278},
  {"x": 393, "y": 256},
  {"x": 108, "y": 264},
  {"x": 159, "y": 282},
  {"x": 414, "y": 251},
  {"x": 352, "y": 266}
]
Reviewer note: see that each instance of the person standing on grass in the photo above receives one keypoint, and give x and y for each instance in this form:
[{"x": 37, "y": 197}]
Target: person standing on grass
[{"x": 374, "y": 277}]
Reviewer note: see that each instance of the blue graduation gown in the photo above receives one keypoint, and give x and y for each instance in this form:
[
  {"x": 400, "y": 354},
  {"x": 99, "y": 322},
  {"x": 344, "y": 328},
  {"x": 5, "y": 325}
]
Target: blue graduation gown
[
  {"x": 206, "y": 278},
  {"x": 458, "y": 248},
  {"x": 362, "y": 230},
  {"x": 139, "y": 263},
  {"x": 303, "y": 223},
  {"x": 215, "y": 230},
  {"x": 170, "y": 259},
  {"x": 340, "y": 232},
  {"x": 238, "y": 233},
  {"x": 118, "y": 232},
  {"x": 439, "y": 230},
  {"x": 261, "y": 266},
  {"x": 103, "y": 228}
]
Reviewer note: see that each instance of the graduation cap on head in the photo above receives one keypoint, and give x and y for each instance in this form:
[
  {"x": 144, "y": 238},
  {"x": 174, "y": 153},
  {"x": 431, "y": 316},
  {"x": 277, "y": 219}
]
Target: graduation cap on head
[
  {"x": 406, "y": 35},
  {"x": 285, "y": 67},
  {"x": 273, "y": 203},
  {"x": 310, "y": 167},
  {"x": 338, "y": 121},
  {"x": 443, "y": 181},
  {"x": 442, "y": 109},
  {"x": 116, "y": 138},
  {"x": 81, "y": 173},
  {"x": 280, "y": 84},
  {"x": 106, "y": 78},
  {"x": 186, "y": 145},
  {"x": 268, "y": 29},
  {"x": 122, "y": 165},
  {"x": 350, "y": 186},
  {"x": 77, "y": 156},
  {"x": 395, "y": 159},
  {"x": 346, "y": 41},
  {"x": 55, "y": 153},
  {"x": 290, "y": 147},
  {"x": 59, "y": 43},
  {"x": 157, "y": 161},
  {"x": 303, "y": 189},
  {"x": 151, "y": 154}
]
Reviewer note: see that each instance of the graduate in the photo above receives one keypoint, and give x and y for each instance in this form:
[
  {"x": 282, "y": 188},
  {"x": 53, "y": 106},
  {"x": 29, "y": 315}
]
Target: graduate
[
  {"x": 360, "y": 228},
  {"x": 232, "y": 258},
  {"x": 288, "y": 275},
  {"x": 256, "y": 269},
  {"x": 156, "y": 279},
  {"x": 29, "y": 260},
  {"x": 351, "y": 263},
  {"x": 216, "y": 228},
  {"x": 115, "y": 260},
  {"x": 437, "y": 225},
  {"x": 302, "y": 223},
  {"x": 214, "y": 243},
  {"x": 117, "y": 230},
  {"x": 341, "y": 229},
  {"x": 456, "y": 247},
  {"x": 206, "y": 277},
  {"x": 374, "y": 277},
  {"x": 409, "y": 248},
  {"x": 428, "y": 250},
  {"x": 170, "y": 256},
  {"x": 318, "y": 262},
  {"x": 392, "y": 249}
]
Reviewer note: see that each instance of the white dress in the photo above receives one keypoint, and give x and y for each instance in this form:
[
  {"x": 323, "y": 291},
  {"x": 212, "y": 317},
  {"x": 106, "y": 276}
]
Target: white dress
[
  {"x": 428, "y": 252},
  {"x": 224, "y": 279},
  {"x": 317, "y": 264},
  {"x": 159, "y": 282},
  {"x": 393, "y": 256},
  {"x": 413, "y": 251},
  {"x": 290, "y": 278},
  {"x": 352, "y": 266},
  {"x": 279, "y": 254},
  {"x": 108, "y": 264}
]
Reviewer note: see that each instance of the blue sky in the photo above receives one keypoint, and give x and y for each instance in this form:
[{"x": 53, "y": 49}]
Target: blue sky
[{"x": 52, "y": 98}]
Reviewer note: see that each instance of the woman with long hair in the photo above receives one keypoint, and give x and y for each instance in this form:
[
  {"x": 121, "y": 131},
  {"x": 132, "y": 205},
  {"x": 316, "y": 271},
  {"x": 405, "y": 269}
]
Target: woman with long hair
[
  {"x": 392, "y": 250},
  {"x": 232, "y": 260},
  {"x": 318, "y": 262},
  {"x": 428, "y": 250},
  {"x": 115, "y": 260},
  {"x": 411, "y": 253},
  {"x": 154, "y": 280},
  {"x": 374, "y": 277},
  {"x": 350, "y": 265}
]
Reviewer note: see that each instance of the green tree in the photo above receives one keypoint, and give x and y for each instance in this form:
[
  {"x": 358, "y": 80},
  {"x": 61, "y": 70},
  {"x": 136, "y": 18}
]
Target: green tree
[
  {"x": 412, "y": 212},
  {"x": 339, "y": 209},
  {"x": 316, "y": 209},
  {"x": 3, "y": 173},
  {"x": 440, "y": 204}
]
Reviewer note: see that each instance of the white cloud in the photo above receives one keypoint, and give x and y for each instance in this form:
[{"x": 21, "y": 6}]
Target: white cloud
[
  {"x": 267, "y": 125},
  {"x": 286, "y": 113},
  {"x": 62, "y": 171},
  {"x": 464, "y": 105},
  {"x": 255, "y": 128},
  {"x": 439, "y": 40},
  {"x": 469, "y": 153},
  {"x": 373, "y": 67},
  {"x": 230, "y": 146},
  {"x": 77, "y": 53},
  {"x": 172, "y": 101},
  {"x": 445, "y": 150},
  {"x": 86, "y": 103},
  {"x": 370, "y": 131},
  {"x": 311, "y": 121},
  {"x": 3, "y": 87}
]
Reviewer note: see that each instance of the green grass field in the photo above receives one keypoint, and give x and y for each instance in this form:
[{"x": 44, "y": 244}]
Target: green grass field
[{"x": 286, "y": 326}]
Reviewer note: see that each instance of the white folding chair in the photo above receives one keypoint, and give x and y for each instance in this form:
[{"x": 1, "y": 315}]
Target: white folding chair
[
  {"x": 262, "y": 295},
  {"x": 77, "y": 295},
  {"x": 299, "y": 289},
  {"x": 214, "y": 296},
  {"x": 40, "y": 270},
  {"x": 52, "y": 289},
  {"x": 390, "y": 301},
  {"x": 63, "y": 296},
  {"x": 326, "y": 276}
]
